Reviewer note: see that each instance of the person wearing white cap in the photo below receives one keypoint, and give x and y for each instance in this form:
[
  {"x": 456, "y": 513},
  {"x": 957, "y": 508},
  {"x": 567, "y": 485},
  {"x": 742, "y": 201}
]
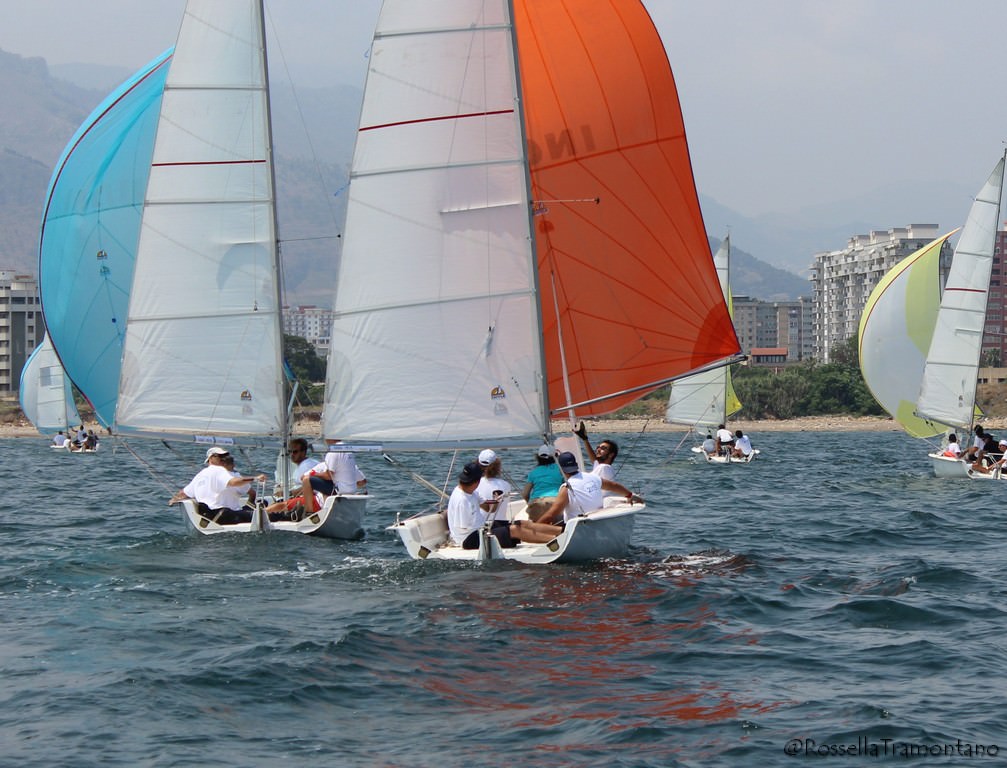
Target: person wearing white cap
[
  {"x": 543, "y": 482},
  {"x": 581, "y": 493},
  {"x": 492, "y": 490},
  {"x": 208, "y": 489}
]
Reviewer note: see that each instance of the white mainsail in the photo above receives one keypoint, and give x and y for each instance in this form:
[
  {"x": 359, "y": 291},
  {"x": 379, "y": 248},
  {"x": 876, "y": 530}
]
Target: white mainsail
[
  {"x": 706, "y": 399},
  {"x": 948, "y": 391},
  {"x": 436, "y": 336},
  {"x": 45, "y": 392},
  {"x": 202, "y": 352}
]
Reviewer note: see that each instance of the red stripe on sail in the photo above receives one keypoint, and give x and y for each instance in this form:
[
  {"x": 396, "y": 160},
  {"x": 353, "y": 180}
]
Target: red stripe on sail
[{"x": 437, "y": 119}]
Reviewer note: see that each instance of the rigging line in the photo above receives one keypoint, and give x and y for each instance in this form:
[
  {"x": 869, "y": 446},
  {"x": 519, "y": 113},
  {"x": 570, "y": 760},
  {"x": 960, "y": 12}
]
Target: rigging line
[{"x": 157, "y": 477}]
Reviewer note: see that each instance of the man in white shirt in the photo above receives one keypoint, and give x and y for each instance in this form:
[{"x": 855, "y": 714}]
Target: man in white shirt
[
  {"x": 298, "y": 466},
  {"x": 210, "y": 484},
  {"x": 581, "y": 493},
  {"x": 724, "y": 440},
  {"x": 603, "y": 456},
  {"x": 742, "y": 445}
]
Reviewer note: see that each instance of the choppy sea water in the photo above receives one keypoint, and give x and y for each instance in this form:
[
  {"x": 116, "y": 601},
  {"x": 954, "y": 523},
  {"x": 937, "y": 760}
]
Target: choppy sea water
[{"x": 832, "y": 598}]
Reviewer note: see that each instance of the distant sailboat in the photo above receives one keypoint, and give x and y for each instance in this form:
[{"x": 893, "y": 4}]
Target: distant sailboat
[
  {"x": 920, "y": 347},
  {"x": 45, "y": 392},
  {"x": 707, "y": 399},
  {"x": 523, "y": 239}
]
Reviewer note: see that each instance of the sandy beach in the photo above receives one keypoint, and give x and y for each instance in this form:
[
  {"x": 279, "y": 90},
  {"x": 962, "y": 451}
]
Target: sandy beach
[{"x": 616, "y": 426}]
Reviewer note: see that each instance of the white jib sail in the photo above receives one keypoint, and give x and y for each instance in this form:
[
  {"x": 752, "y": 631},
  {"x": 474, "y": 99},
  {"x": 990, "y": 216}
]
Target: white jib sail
[
  {"x": 701, "y": 400},
  {"x": 947, "y": 394},
  {"x": 202, "y": 349},
  {"x": 436, "y": 334}
]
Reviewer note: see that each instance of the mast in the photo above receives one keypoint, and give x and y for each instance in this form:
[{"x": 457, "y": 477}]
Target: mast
[{"x": 278, "y": 271}]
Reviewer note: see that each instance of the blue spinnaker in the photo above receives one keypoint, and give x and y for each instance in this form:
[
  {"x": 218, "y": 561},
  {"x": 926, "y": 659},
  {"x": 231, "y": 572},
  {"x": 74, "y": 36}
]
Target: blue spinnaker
[{"x": 89, "y": 234}]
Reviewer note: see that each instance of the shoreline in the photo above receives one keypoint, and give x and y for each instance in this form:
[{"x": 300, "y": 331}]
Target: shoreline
[{"x": 643, "y": 424}]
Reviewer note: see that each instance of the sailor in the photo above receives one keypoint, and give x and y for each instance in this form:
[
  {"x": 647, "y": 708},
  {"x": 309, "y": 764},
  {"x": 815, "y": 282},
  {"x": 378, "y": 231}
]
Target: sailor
[
  {"x": 742, "y": 445},
  {"x": 493, "y": 491},
  {"x": 581, "y": 493},
  {"x": 466, "y": 517},
  {"x": 724, "y": 441},
  {"x": 604, "y": 455},
  {"x": 207, "y": 487},
  {"x": 709, "y": 445}
]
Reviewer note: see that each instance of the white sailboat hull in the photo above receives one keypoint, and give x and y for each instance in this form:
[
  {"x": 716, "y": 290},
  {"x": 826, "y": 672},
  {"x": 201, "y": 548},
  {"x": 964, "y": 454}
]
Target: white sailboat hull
[
  {"x": 604, "y": 533},
  {"x": 341, "y": 517},
  {"x": 725, "y": 459},
  {"x": 945, "y": 466}
]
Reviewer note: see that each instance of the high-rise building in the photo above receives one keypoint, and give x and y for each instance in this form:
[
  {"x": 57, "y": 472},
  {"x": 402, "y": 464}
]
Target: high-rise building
[
  {"x": 995, "y": 331},
  {"x": 21, "y": 327},
  {"x": 311, "y": 323},
  {"x": 773, "y": 324},
  {"x": 842, "y": 281}
]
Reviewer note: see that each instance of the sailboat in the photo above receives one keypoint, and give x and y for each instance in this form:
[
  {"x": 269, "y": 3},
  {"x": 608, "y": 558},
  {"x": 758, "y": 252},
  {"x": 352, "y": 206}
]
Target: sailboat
[
  {"x": 523, "y": 240},
  {"x": 920, "y": 347},
  {"x": 45, "y": 393},
  {"x": 706, "y": 400},
  {"x": 201, "y": 357}
]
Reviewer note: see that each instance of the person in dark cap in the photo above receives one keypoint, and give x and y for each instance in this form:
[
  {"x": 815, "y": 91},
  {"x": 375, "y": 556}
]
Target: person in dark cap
[
  {"x": 466, "y": 518},
  {"x": 582, "y": 492}
]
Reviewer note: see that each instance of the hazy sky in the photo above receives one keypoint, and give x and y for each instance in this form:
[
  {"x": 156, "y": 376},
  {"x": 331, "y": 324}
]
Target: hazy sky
[{"x": 787, "y": 102}]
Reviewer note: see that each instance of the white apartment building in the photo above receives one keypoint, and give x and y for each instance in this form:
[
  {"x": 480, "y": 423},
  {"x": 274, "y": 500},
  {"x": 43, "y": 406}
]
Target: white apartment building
[
  {"x": 311, "y": 323},
  {"x": 842, "y": 281},
  {"x": 21, "y": 326}
]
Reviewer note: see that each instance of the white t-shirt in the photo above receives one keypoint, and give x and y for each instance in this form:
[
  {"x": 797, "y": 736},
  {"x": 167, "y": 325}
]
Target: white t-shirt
[
  {"x": 743, "y": 444},
  {"x": 485, "y": 489},
  {"x": 464, "y": 515},
  {"x": 584, "y": 494},
  {"x": 345, "y": 473},
  {"x": 234, "y": 496},
  {"x": 605, "y": 472},
  {"x": 953, "y": 449},
  {"x": 207, "y": 486},
  {"x": 295, "y": 472},
  {"x": 725, "y": 436}
]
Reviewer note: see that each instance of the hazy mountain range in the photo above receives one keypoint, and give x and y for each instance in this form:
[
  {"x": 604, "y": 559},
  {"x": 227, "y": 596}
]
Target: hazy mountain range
[{"x": 313, "y": 133}]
